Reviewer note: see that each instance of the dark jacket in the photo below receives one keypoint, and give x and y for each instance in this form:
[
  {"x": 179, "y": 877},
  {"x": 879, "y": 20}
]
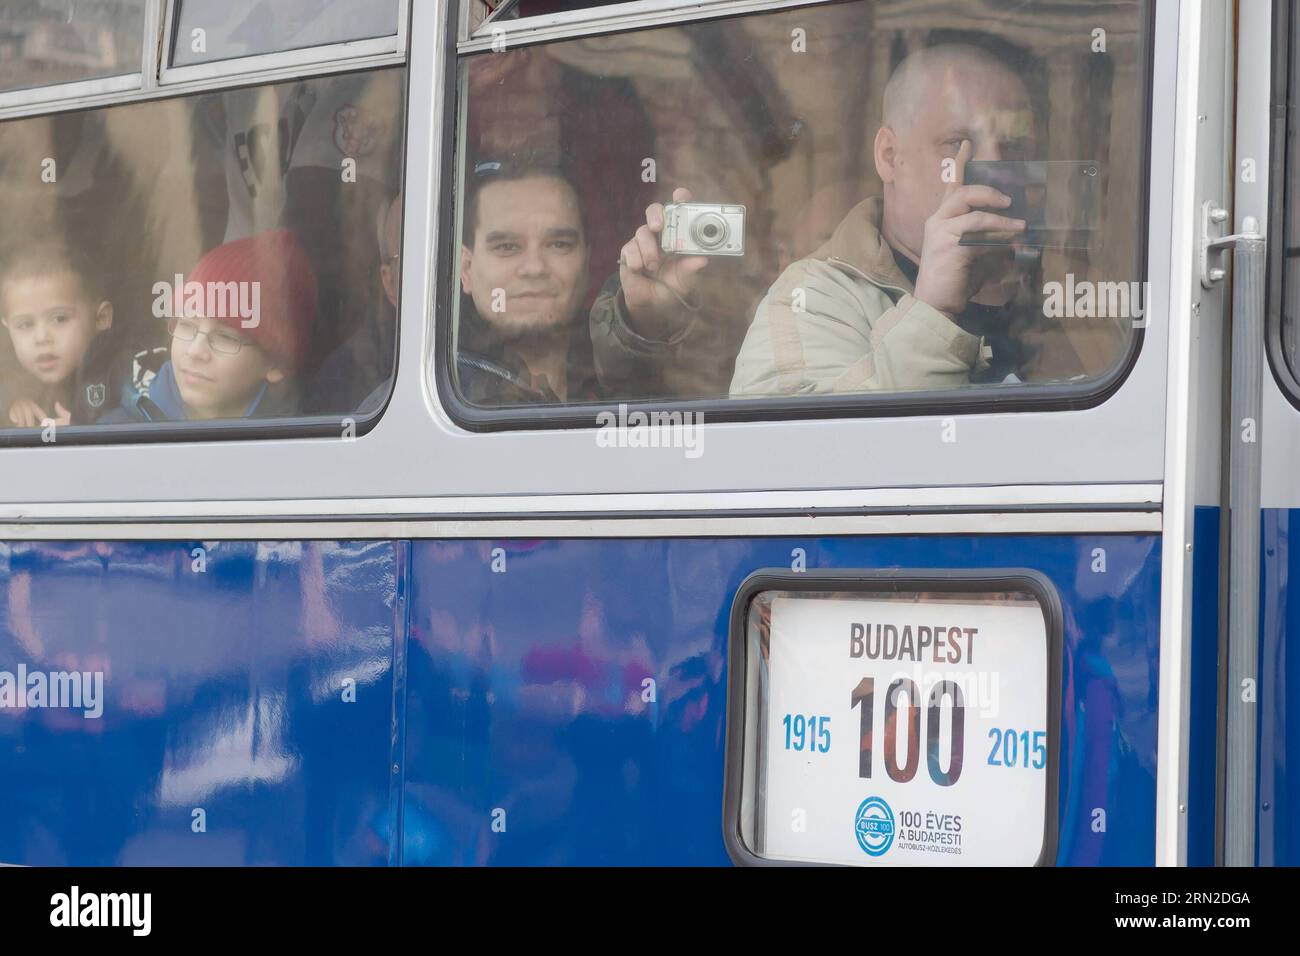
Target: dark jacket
[
  {"x": 100, "y": 385},
  {"x": 491, "y": 373},
  {"x": 163, "y": 403}
]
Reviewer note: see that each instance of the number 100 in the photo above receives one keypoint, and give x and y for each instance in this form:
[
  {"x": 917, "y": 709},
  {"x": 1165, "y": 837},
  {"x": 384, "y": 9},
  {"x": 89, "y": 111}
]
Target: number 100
[{"x": 864, "y": 696}]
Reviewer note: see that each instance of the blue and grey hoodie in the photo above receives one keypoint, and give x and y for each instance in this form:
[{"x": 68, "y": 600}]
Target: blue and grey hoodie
[{"x": 162, "y": 402}]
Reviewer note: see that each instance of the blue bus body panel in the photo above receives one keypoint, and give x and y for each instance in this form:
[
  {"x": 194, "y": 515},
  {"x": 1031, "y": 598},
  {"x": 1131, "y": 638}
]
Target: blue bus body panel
[
  {"x": 1203, "y": 732},
  {"x": 473, "y": 691},
  {"x": 224, "y": 693},
  {"x": 1279, "y": 670},
  {"x": 525, "y": 691}
]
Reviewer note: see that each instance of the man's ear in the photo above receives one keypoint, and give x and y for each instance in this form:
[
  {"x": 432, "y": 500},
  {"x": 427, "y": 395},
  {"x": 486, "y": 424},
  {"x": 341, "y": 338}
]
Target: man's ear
[
  {"x": 885, "y": 151},
  {"x": 104, "y": 316},
  {"x": 274, "y": 375},
  {"x": 466, "y": 258},
  {"x": 390, "y": 284}
]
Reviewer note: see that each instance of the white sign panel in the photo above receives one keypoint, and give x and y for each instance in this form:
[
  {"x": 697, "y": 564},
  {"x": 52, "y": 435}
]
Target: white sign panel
[{"x": 904, "y": 733}]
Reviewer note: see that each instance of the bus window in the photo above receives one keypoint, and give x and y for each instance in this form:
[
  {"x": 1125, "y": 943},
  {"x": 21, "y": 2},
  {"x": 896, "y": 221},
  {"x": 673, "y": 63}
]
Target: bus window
[
  {"x": 219, "y": 257},
  {"x": 43, "y": 44},
  {"x": 844, "y": 199},
  {"x": 1287, "y": 364},
  {"x": 208, "y": 30}
]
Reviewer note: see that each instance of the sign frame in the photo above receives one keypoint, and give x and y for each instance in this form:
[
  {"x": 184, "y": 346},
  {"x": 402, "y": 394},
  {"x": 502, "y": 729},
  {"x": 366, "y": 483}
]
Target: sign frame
[{"x": 878, "y": 583}]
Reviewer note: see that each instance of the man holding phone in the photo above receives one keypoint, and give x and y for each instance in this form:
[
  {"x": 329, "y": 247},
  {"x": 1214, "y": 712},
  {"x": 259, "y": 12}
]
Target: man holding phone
[{"x": 895, "y": 300}]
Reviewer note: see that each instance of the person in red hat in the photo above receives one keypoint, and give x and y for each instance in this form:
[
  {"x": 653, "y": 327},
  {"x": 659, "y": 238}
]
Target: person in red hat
[{"x": 239, "y": 328}]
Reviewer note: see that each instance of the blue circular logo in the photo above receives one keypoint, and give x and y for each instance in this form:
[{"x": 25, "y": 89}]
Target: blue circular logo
[{"x": 874, "y": 826}]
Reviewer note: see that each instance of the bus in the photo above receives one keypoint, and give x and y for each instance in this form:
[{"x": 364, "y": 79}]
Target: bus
[{"x": 664, "y": 432}]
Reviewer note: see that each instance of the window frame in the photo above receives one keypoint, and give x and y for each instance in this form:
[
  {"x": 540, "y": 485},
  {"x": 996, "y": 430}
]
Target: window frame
[
  {"x": 393, "y": 46},
  {"x": 439, "y": 362},
  {"x": 98, "y": 87},
  {"x": 243, "y": 71},
  {"x": 608, "y": 18},
  {"x": 246, "y": 429},
  {"x": 1284, "y": 21}
]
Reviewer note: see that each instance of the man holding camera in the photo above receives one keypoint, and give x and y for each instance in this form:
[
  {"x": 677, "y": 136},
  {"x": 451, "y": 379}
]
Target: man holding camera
[{"x": 894, "y": 300}]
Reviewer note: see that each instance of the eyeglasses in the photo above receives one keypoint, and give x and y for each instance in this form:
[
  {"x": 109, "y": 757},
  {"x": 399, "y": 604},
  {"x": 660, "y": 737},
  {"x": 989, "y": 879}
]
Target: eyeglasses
[{"x": 219, "y": 340}]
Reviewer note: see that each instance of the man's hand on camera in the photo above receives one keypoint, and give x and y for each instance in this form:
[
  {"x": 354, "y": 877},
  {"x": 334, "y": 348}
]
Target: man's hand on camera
[
  {"x": 951, "y": 273},
  {"x": 657, "y": 283}
]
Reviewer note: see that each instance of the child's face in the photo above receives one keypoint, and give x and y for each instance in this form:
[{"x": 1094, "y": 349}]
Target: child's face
[
  {"x": 215, "y": 382},
  {"x": 52, "y": 323}
]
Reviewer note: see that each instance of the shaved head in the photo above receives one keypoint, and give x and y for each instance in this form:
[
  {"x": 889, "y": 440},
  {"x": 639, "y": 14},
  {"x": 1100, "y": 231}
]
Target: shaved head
[{"x": 911, "y": 86}]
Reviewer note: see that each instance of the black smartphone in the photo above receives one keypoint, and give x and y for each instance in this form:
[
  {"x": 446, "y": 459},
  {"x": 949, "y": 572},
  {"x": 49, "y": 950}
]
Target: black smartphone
[{"x": 1059, "y": 200}]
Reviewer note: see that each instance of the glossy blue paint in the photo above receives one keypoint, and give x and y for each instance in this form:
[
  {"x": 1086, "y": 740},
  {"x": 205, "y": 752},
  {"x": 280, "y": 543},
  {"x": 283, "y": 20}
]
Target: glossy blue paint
[
  {"x": 525, "y": 691},
  {"x": 1203, "y": 734},
  {"x": 1279, "y": 727},
  {"x": 223, "y": 691},
  {"x": 520, "y": 691}
]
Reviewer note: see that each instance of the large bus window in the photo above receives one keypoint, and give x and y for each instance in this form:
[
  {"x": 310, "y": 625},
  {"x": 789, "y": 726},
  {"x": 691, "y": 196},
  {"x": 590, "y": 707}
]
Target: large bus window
[
  {"x": 847, "y": 199},
  {"x": 43, "y": 44},
  {"x": 224, "y": 257},
  {"x": 1286, "y": 338},
  {"x": 207, "y": 30}
]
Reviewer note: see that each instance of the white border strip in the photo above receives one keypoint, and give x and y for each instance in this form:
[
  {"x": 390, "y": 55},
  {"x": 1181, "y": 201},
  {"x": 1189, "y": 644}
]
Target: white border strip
[
  {"x": 1175, "y": 562},
  {"x": 1041, "y": 498},
  {"x": 1124, "y": 522}
]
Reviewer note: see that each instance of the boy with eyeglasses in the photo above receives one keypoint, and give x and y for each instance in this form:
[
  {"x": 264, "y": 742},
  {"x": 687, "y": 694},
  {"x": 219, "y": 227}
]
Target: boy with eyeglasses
[{"x": 227, "y": 361}]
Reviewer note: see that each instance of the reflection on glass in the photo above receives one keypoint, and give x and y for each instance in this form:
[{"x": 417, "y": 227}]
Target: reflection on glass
[
  {"x": 208, "y": 30},
  {"x": 43, "y": 43},
  {"x": 231, "y": 255},
  {"x": 850, "y": 198}
]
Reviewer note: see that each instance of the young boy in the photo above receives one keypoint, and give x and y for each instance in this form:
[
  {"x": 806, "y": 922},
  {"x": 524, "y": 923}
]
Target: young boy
[
  {"x": 239, "y": 327},
  {"x": 60, "y": 325}
]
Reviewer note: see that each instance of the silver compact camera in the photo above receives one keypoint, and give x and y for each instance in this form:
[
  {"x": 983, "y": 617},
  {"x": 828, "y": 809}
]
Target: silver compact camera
[{"x": 703, "y": 229}]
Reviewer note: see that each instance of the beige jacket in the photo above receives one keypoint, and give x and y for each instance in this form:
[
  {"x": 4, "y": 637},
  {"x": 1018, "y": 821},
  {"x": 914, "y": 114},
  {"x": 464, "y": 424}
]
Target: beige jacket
[{"x": 844, "y": 320}]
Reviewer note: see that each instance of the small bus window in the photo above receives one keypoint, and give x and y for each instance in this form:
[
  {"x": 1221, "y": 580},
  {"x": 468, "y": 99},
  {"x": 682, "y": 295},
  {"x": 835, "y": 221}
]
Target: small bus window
[
  {"x": 499, "y": 10},
  {"x": 43, "y": 43},
  {"x": 208, "y": 30},
  {"x": 227, "y": 256},
  {"x": 844, "y": 199}
]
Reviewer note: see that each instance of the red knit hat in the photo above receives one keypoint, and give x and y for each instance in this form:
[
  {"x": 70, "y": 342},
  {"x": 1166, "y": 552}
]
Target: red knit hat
[{"x": 285, "y": 287}]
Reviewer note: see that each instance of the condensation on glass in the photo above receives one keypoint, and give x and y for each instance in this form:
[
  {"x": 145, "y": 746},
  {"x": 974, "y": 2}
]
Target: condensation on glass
[
  {"x": 47, "y": 42},
  {"x": 774, "y": 123},
  {"x": 229, "y": 255},
  {"x": 208, "y": 30}
]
